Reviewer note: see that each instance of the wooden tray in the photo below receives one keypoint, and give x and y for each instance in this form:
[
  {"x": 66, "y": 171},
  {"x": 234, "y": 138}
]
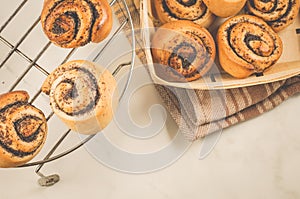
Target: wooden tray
[{"x": 287, "y": 66}]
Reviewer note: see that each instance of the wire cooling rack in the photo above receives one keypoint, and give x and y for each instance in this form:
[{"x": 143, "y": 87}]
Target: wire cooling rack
[{"x": 22, "y": 64}]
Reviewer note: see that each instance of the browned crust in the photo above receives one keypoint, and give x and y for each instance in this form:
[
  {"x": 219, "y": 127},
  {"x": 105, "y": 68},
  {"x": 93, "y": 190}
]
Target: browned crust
[
  {"x": 103, "y": 112},
  {"x": 277, "y": 19},
  {"x": 103, "y": 25},
  {"x": 12, "y": 97},
  {"x": 99, "y": 31},
  {"x": 225, "y": 8},
  {"x": 231, "y": 62},
  {"x": 160, "y": 54},
  {"x": 205, "y": 20},
  {"x": 8, "y": 159}
]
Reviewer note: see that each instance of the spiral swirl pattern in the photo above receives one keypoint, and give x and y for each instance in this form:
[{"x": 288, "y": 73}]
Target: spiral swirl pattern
[
  {"x": 74, "y": 23},
  {"x": 277, "y": 13},
  {"x": 77, "y": 93},
  {"x": 81, "y": 94},
  {"x": 182, "y": 51},
  {"x": 192, "y": 10},
  {"x": 248, "y": 43},
  {"x": 23, "y": 129}
]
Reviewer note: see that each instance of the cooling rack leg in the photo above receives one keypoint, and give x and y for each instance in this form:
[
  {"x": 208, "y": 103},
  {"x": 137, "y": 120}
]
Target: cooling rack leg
[
  {"x": 47, "y": 181},
  {"x": 50, "y": 179}
]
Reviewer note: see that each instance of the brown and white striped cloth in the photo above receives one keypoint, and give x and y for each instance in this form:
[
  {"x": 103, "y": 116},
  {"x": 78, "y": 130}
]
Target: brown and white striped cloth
[{"x": 199, "y": 113}]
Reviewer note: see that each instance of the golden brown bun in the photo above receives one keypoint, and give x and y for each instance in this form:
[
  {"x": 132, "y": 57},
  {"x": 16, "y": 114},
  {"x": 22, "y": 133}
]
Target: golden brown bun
[
  {"x": 173, "y": 10},
  {"x": 182, "y": 51},
  {"x": 23, "y": 129},
  {"x": 278, "y": 14},
  {"x": 71, "y": 24},
  {"x": 82, "y": 94},
  {"x": 247, "y": 45},
  {"x": 225, "y": 8}
]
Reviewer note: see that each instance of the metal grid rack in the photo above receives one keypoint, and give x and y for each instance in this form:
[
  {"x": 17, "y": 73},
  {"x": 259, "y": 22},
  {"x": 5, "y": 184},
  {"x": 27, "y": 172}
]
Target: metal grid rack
[{"x": 14, "y": 49}]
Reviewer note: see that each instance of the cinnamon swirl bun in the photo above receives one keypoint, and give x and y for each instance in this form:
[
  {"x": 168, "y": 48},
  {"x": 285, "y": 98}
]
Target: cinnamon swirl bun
[
  {"x": 278, "y": 14},
  {"x": 192, "y": 10},
  {"x": 82, "y": 95},
  {"x": 182, "y": 51},
  {"x": 23, "y": 129},
  {"x": 247, "y": 45},
  {"x": 225, "y": 8},
  {"x": 74, "y": 23}
]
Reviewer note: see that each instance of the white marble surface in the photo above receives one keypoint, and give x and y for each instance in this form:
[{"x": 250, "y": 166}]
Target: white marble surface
[{"x": 256, "y": 159}]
